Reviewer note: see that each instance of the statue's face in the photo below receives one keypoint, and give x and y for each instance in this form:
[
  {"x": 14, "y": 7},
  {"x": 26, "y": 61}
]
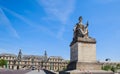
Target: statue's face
[{"x": 80, "y": 19}]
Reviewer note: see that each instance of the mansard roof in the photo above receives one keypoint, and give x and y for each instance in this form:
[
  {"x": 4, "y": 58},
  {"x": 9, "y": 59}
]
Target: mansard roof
[
  {"x": 33, "y": 56},
  {"x": 8, "y": 54},
  {"x": 56, "y": 57},
  {"x": 27, "y": 57}
]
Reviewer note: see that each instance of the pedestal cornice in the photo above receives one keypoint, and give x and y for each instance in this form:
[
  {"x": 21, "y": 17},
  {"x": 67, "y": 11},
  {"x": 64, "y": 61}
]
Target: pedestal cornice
[{"x": 83, "y": 40}]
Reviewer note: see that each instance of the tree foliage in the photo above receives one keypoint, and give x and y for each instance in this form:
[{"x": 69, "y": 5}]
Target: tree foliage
[
  {"x": 106, "y": 67},
  {"x": 118, "y": 66},
  {"x": 111, "y": 67},
  {"x": 3, "y": 62}
]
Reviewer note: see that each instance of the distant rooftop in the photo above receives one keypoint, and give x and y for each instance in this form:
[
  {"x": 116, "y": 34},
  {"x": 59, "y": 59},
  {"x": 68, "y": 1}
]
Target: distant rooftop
[
  {"x": 57, "y": 57},
  {"x": 8, "y": 54}
]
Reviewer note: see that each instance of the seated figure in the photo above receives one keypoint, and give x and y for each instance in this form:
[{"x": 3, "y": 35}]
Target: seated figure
[{"x": 80, "y": 30}]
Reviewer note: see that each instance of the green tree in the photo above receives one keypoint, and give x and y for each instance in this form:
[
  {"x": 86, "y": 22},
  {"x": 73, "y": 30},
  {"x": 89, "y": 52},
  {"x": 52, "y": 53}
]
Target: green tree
[
  {"x": 3, "y": 62},
  {"x": 106, "y": 67},
  {"x": 110, "y": 67},
  {"x": 113, "y": 69},
  {"x": 118, "y": 66}
]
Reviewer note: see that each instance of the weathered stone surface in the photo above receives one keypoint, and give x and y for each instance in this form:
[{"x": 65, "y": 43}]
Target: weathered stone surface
[
  {"x": 84, "y": 40},
  {"x": 88, "y": 66},
  {"x": 86, "y": 72},
  {"x": 83, "y": 52},
  {"x": 84, "y": 65}
]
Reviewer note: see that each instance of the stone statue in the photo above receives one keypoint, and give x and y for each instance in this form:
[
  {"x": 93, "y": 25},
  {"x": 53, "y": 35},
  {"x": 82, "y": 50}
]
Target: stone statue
[
  {"x": 81, "y": 33},
  {"x": 80, "y": 30}
]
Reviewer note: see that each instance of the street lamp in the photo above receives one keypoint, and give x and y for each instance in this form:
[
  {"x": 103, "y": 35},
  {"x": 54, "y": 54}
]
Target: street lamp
[
  {"x": 58, "y": 66},
  {"x": 32, "y": 61}
]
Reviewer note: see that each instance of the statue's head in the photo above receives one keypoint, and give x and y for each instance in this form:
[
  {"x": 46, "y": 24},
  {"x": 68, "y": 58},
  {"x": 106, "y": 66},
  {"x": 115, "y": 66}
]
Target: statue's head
[{"x": 80, "y": 19}]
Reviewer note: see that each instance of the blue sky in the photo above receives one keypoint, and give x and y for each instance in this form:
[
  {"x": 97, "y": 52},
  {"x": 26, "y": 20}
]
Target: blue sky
[{"x": 38, "y": 25}]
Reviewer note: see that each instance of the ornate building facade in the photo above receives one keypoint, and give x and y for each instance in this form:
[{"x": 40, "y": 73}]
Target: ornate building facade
[{"x": 20, "y": 61}]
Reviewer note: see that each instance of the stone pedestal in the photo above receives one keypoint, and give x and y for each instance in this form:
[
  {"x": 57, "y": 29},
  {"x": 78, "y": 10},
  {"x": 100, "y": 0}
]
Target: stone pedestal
[
  {"x": 83, "y": 54},
  {"x": 83, "y": 50}
]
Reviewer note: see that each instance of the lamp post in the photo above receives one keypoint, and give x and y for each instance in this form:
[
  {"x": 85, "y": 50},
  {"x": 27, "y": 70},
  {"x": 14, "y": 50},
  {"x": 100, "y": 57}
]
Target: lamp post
[
  {"x": 42, "y": 64},
  {"x": 58, "y": 66},
  {"x": 32, "y": 61},
  {"x": 18, "y": 64}
]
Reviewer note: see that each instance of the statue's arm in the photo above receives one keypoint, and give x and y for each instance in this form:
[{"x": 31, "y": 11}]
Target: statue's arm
[
  {"x": 74, "y": 28},
  {"x": 86, "y": 25}
]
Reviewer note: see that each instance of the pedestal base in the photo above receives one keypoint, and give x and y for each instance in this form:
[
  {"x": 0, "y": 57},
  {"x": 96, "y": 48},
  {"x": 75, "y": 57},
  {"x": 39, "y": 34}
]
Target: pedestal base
[
  {"x": 84, "y": 66},
  {"x": 86, "y": 72}
]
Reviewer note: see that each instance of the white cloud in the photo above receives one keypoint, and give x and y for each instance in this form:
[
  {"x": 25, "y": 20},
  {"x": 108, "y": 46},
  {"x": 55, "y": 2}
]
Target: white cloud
[
  {"x": 60, "y": 9},
  {"x": 30, "y": 23},
  {"x": 60, "y": 32},
  {"x": 105, "y": 1},
  {"x": 57, "y": 9},
  {"x": 5, "y": 21},
  {"x": 18, "y": 16}
]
